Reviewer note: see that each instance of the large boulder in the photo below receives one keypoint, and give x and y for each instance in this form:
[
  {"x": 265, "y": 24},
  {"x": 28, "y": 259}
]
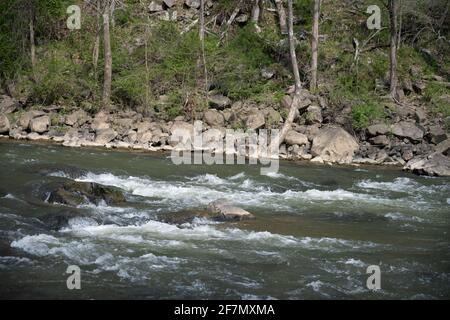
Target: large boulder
[
  {"x": 104, "y": 136},
  {"x": 100, "y": 121},
  {"x": 219, "y": 101},
  {"x": 25, "y": 119},
  {"x": 296, "y": 138},
  {"x": 181, "y": 134},
  {"x": 435, "y": 164},
  {"x": 214, "y": 118},
  {"x": 255, "y": 121},
  {"x": 226, "y": 212},
  {"x": 436, "y": 134},
  {"x": 75, "y": 193},
  {"x": 406, "y": 129},
  {"x": 4, "y": 124},
  {"x": 40, "y": 124},
  {"x": 334, "y": 144},
  {"x": 7, "y": 104},
  {"x": 77, "y": 118}
]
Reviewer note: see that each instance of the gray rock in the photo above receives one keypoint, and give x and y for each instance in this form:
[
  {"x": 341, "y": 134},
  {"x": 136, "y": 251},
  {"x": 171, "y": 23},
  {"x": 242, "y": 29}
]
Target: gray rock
[
  {"x": 242, "y": 18},
  {"x": 267, "y": 73},
  {"x": 25, "y": 119},
  {"x": 100, "y": 121},
  {"x": 145, "y": 137},
  {"x": 255, "y": 121},
  {"x": 435, "y": 164},
  {"x": 194, "y": 4},
  {"x": 407, "y": 154},
  {"x": 313, "y": 115},
  {"x": 227, "y": 212},
  {"x": 169, "y": 3},
  {"x": 212, "y": 139},
  {"x": 126, "y": 123},
  {"x": 4, "y": 124},
  {"x": 214, "y": 118},
  {"x": 436, "y": 134},
  {"x": 405, "y": 129},
  {"x": 219, "y": 101},
  {"x": 420, "y": 116},
  {"x": 77, "y": 118},
  {"x": 334, "y": 144},
  {"x": 75, "y": 193},
  {"x": 40, "y": 125},
  {"x": 378, "y": 129},
  {"x": 181, "y": 135},
  {"x": 381, "y": 140},
  {"x": 8, "y": 104},
  {"x": 296, "y": 138},
  {"x": 104, "y": 136},
  {"x": 155, "y": 7}
]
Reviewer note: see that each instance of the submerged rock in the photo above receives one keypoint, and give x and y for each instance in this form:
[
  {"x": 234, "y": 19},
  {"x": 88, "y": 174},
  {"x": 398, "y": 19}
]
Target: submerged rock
[
  {"x": 75, "y": 193},
  {"x": 226, "y": 212},
  {"x": 186, "y": 216}
]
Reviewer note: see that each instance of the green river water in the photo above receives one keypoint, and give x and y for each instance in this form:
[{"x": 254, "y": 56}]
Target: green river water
[{"x": 316, "y": 231}]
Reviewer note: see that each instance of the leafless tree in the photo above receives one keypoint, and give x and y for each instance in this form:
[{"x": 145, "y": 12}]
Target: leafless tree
[
  {"x": 106, "y": 9},
  {"x": 393, "y": 12},
  {"x": 202, "y": 43},
  {"x": 281, "y": 16},
  {"x": 298, "y": 84},
  {"x": 315, "y": 44}
]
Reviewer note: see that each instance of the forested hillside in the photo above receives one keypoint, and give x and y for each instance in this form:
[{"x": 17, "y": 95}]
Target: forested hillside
[{"x": 229, "y": 63}]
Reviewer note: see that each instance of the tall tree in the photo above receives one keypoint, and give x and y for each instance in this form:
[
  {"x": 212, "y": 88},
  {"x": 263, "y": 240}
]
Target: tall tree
[
  {"x": 106, "y": 9},
  {"x": 281, "y": 16},
  {"x": 393, "y": 12},
  {"x": 202, "y": 43},
  {"x": 315, "y": 44},
  {"x": 293, "y": 109},
  {"x": 32, "y": 17},
  {"x": 107, "y": 77}
]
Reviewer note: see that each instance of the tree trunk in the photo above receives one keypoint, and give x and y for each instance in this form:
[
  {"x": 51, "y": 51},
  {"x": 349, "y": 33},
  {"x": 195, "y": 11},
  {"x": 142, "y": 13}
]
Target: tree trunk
[
  {"x": 393, "y": 53},
  {"x": 315, "y": 45},
  {"x": 281, "y": 16},
  {"x": 96, "y": 49},
  {"x": 256, "y": 12},
  {"x": 32, "y": 41},
  {"x": 298, "y": 85},
  {"x": 202, "y": 43},
  {"x": 106, "y": 97},
  {"x": 400, "y": 27}
]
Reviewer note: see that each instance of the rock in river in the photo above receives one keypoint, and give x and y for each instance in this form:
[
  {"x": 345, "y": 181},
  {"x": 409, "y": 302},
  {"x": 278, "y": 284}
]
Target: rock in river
[
  {"x": 226, "y": 212},
  {"x": 75, "y": 193}
]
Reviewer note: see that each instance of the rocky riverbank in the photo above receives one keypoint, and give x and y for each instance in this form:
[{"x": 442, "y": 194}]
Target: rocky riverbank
[{"x": 411, "y": 138}]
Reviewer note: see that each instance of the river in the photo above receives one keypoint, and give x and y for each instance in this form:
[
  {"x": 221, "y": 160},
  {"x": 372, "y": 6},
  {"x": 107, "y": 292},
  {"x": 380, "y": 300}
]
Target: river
[{"x": 316, "y": 231}]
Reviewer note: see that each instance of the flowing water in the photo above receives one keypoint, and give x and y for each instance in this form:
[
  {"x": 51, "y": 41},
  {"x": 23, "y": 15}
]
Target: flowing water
[{"x": 316, "y": 231}]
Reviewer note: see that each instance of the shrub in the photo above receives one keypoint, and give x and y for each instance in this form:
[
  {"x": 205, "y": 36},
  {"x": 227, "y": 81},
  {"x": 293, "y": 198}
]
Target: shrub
[{"x": 364, "y": 114}]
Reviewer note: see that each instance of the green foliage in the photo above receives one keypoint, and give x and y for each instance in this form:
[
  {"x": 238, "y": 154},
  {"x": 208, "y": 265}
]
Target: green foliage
[
  {"x": 237, "y": 67},
  {"x": 438, "y": 96},
  {"x": 365, "y": 113}
]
